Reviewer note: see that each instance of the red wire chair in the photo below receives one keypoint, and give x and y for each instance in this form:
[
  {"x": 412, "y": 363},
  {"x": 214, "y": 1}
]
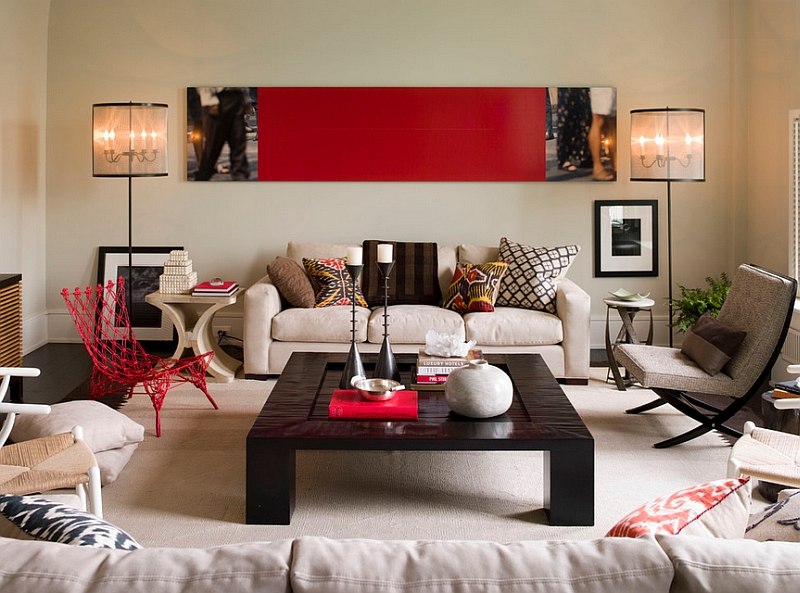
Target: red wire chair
[{"x": 120, "y": 363}]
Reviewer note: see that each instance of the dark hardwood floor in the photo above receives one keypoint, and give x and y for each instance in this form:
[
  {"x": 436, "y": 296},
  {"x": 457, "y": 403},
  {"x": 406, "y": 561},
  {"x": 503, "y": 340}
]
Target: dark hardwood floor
[{"x": 64, "y": 367}]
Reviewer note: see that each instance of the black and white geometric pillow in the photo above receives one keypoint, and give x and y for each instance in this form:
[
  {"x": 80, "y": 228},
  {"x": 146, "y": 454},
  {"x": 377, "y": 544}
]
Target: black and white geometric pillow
[
  {"x": 533, "y": 273},
  {"x": 55, "y": 522}
]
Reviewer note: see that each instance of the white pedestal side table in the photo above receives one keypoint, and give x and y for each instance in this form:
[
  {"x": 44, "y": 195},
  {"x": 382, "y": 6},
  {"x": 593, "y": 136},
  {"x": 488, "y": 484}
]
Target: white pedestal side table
[
  {"x": 627, "y": 333},
  {"x": 192, "y": 316}
]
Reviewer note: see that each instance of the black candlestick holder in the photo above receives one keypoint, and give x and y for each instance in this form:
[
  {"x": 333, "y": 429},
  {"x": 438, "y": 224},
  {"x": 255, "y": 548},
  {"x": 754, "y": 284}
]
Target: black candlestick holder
[
  {"x": 386, "y": 365},
  {"x": 353, "y": 367}
]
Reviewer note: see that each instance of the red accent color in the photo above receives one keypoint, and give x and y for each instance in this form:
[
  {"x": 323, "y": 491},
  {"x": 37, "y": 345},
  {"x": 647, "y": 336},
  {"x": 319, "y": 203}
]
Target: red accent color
[
  {"x": 401, "y": 134},
  {"x": 120, "y": 363},
  {"x": 431, "y": 379},
  {"x": 222, "y": 288},
  {"x": 348, "y": 404}
]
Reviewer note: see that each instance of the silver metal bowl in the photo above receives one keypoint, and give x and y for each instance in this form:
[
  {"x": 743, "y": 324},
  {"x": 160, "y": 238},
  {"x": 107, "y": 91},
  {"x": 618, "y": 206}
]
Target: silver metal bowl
[{"x": 376, "y": 389}]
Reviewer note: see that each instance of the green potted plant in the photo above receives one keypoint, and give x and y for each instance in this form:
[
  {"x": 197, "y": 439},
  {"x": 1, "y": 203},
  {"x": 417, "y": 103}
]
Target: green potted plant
[{"x": 693, "y": 302}]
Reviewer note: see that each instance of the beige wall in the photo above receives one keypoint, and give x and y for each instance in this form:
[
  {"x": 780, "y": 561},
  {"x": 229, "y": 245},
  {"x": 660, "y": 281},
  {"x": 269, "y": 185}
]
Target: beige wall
[
  {"x": 23, "y": 71},
  {"x": 773, "y": 74},
  {"x": 153, "y": 50}
]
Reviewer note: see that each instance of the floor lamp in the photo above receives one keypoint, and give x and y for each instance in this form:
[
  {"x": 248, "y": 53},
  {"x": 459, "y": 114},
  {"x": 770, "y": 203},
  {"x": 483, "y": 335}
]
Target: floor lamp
[
  {"x": 129, "y": 140},
  {"x": 668, "y": 145}
]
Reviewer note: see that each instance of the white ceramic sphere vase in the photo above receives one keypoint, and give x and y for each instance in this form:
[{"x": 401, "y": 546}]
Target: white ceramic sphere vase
[{"x": 478, "y": 390}]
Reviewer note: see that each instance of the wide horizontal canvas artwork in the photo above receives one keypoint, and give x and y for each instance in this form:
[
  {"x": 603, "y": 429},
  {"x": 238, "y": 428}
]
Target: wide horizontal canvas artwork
[{"x": 401, "y": 133}]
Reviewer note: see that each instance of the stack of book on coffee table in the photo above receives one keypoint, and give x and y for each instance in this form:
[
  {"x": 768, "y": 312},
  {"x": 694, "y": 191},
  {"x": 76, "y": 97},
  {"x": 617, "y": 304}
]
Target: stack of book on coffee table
[{"x": 434, "y": 370}]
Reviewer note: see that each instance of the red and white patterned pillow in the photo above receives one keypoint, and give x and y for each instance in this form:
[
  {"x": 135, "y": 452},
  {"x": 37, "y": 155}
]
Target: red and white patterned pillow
[
  {"x": 715, "y": 509},
  {"x": 474, "y": 287}
]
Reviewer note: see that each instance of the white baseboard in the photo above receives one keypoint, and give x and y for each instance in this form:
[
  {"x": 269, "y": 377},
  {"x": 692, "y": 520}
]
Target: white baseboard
[
  {"x": 61, "y": 329},
  {"x": 34, "y": 333},
  {"x": 641, "y": 323}
]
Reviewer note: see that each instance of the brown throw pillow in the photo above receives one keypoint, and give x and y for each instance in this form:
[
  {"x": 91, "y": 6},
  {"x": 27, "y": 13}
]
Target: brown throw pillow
[
  {"x": 414, "y": 279},
  {"x": 711, "y": 344},
  {"x": 292, "y": 283}
]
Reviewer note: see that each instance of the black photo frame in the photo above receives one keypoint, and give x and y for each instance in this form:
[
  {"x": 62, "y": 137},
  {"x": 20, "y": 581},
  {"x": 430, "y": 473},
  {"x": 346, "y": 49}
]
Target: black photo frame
[
  {"x": 625, "y": 238},
  {"x": 148, "y": 322}
]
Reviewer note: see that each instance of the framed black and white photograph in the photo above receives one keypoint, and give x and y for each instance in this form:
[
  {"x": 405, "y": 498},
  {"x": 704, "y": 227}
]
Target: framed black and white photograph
[
  {"x": 147, "y": 321},
  {"x": 625, "y": 238}
]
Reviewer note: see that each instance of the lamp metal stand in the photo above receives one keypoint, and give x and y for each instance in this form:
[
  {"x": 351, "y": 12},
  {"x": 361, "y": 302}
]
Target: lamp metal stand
[
  {"x": 386, "y": 366},
  {"x": 669, "y": 257},
  {"x": 353, "y": 367},
  {"x": 129, "y": 292}
]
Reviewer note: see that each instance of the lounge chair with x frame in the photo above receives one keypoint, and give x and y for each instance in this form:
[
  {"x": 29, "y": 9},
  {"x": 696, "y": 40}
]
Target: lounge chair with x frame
[{"x": 760, "y": 302}]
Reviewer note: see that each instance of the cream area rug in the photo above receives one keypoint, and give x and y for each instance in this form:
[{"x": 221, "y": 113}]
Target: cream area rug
[{"x": 187, "y": 488}]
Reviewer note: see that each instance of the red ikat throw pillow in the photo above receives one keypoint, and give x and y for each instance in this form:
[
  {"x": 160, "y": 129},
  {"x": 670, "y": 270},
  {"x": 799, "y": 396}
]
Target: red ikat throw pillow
[
  {"x": 713, "y": 509},
  {"x": 474, "y": 287},
  {"x": 334, "y": 284}
]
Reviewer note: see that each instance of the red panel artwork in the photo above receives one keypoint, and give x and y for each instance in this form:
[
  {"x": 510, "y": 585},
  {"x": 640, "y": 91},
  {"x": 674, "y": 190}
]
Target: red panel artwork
[{"x": 401, "y": 134}]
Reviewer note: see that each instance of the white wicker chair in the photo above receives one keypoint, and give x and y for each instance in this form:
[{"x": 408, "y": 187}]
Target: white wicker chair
[
  {"x": 47, "y": 463},
  {"x": 768, "y": 455}
]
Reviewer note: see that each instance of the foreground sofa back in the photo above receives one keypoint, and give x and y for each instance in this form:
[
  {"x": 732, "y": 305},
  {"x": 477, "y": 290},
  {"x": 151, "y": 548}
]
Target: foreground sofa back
[
  {"x": 677, "y": 564},
  {"x": 272, "y": 331}
]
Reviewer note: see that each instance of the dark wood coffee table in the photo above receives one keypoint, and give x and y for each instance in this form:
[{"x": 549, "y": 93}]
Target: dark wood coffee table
[{"x": 541, "y": 418}]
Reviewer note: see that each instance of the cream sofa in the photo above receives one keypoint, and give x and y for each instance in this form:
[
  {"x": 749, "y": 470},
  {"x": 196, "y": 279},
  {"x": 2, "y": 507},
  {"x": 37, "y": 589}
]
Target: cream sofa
[
  {"x": 664, "y": 564},
  {"x": 272, "y": 332}
]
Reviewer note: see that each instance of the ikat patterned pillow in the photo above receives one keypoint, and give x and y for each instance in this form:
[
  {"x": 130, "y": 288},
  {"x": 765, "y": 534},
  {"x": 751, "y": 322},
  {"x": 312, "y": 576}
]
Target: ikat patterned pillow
[
  {"x": 533, "y": 274},
  {"x": 714, "y": 509},
  {"x": 333, "y": 283},
  {"x": 55, "y": 522},
  {"x": 474, "y": 287}
]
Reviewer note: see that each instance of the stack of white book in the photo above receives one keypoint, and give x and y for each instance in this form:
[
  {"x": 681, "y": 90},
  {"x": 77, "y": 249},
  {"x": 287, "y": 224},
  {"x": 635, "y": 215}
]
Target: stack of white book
[{"x": 178, "y": 277}]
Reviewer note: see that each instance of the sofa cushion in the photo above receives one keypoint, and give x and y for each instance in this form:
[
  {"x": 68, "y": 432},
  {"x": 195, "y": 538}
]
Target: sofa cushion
[
  {"x": 408, "y": 324},
  {"x": 508, "y": 326},
  {"x": 414, "y": 279},
  {"x": 474, "y": 287},
  {"x": 478, "y": 254},
  {"x": 717, "y": 509},
  {"x": 333, "y": 284},
  {"x": 779, "y": 521},
  {"x": 533, "y": 274},
  {"x": 606, "y": 565},
  {"x": 298, "y": 250},
  {"x": 261, "y": 567},
  {"x": 711, "y": 344},
  {"x": 730, "y": 565},
  {"x": 52, "y": 521},
  {"x": 292, "y": 283},
  {"x": 327, "y": 324}
]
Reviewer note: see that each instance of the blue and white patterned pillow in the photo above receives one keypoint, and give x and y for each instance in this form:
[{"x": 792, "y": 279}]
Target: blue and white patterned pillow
[{"x": 52, "y": 521}]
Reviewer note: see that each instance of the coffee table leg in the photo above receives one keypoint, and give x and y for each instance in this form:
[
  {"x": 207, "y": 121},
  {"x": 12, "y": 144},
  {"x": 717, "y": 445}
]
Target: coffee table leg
[
  {"x": 569, "y": 485},
  {"x": 270, "y": 478}
]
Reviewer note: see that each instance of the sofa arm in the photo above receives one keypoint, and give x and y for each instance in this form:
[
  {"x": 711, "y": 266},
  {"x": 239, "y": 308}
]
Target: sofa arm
[
  {"x": 574, "y": 309},
  {"x": 261, "y": 303}
]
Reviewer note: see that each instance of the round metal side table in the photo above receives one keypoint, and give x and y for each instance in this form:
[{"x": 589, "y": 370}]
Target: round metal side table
[{"x": 627, "y": 333}]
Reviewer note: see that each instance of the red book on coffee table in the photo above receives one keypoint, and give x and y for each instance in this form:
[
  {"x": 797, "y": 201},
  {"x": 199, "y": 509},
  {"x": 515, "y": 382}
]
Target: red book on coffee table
[{"x": 347, "y": 404}]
